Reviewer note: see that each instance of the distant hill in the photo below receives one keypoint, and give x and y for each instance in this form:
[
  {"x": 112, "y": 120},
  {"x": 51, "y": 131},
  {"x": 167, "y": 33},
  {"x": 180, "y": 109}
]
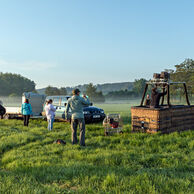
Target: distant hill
[
  {"x": 105, "y": 88},
  {"x": 109, "y": 87}
]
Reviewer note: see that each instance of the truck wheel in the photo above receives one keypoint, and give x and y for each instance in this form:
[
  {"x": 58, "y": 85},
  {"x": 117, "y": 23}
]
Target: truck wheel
[{"x": 6, "y": 116}]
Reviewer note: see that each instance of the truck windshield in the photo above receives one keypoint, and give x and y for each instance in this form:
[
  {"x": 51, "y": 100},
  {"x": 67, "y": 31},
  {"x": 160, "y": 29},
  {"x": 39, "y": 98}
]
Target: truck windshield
[
  {"x": 64, "y": 101},
  {"x": 56, "y": 101}
]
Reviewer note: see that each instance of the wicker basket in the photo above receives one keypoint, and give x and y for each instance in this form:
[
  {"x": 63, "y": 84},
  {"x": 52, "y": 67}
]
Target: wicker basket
[{"x": 165, "y": 119}]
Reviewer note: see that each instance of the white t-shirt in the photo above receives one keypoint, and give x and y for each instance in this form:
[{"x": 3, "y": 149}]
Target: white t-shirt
[{"x": 50, "y": 111}]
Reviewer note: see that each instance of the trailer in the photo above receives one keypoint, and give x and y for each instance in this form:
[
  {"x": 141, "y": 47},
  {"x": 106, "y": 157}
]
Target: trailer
[{"x": 36, "y": 101}]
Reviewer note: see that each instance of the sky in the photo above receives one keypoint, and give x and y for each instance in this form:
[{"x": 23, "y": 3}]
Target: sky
[{"x": 71, "y": 42}]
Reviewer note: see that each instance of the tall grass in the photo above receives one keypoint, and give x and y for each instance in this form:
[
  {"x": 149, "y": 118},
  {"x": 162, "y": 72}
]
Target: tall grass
[{"x": 121, "y": 163}]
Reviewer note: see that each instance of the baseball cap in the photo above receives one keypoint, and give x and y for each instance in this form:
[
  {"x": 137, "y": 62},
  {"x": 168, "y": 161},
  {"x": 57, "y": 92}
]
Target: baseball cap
[{"x": 76, "y": 91}]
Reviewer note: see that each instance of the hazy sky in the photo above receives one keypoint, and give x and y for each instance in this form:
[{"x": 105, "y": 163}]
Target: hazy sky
[{"x": 71, "y": 42}]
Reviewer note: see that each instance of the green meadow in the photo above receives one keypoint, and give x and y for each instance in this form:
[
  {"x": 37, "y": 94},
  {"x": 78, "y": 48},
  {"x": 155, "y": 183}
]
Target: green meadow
[{"x": 120, "y": 163}]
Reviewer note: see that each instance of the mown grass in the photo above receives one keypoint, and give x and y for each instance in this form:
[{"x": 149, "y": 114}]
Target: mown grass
[
  {"x": 122, "y": 109},
  {"x": 121, "y": 163}
]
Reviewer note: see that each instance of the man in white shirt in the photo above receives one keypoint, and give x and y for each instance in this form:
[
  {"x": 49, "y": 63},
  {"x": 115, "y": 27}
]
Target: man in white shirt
[{"x": 50, "y": 114}]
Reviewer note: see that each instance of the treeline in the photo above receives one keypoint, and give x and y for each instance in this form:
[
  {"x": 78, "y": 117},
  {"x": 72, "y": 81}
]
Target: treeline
[
  {"x": 90, "y": 90},
  {"x": 183, "y": 72},
  {"x": 52, "y": 91},
  {"x": 105, "y": 88},
  {"x": 15, "y": 84},
  {"x": 97, "y": 96},
  {"x": 138, "y": 88}
]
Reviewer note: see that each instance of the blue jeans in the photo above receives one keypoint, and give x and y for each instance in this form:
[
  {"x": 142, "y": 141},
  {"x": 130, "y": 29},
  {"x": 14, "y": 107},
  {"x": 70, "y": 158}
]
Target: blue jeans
[
  {"x": 74, "y": 124},
  {"x": 50, "y": 124}
]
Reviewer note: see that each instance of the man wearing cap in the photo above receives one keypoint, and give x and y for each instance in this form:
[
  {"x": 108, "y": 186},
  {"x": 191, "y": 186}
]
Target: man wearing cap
[{"x": 76, "y": 104}]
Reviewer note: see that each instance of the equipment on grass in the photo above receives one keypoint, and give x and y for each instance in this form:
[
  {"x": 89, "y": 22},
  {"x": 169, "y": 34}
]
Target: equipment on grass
[
  {"x": 59, "y": 141},
  {"x": 112, "y": 124}
]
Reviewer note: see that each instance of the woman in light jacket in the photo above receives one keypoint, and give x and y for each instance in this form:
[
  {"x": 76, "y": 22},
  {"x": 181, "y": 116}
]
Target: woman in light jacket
[
  {"x": 50, "y": 114},
  {"x": 26, "y": 111}
]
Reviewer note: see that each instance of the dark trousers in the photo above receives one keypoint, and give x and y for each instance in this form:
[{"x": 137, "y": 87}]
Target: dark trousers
[
  {"x": 74, "y": 124},
  {"x": 26, "y": 119}
]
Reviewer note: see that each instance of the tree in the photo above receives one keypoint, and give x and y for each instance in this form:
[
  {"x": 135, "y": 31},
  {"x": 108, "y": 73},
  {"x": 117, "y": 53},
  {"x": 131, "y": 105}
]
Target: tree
[
  {"x": 91, "y": 90},
  {"x": 15, "y": 83},
  {"x": 63, "y": 91},
  {"x": 93, "y": 94},
  {"x": 50, "y": 91},
  {"x": 184, "y": 73},
  {"x": 139, "y": 86}
]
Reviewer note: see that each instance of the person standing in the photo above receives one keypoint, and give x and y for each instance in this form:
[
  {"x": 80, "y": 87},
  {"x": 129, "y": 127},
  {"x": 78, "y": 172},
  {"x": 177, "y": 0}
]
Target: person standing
[
  {"x": 2, "y": 110},
  {"x": 26, "y": 111},
  {"x": 147, "y": 101},
  {"x": 76, "y": 104},
  {"x": 156, "y": 97},
  {"x": 50, "y": 114}
]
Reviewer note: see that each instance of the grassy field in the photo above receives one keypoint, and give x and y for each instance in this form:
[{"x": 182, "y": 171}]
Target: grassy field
[{"x": 121, "y": 163}]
